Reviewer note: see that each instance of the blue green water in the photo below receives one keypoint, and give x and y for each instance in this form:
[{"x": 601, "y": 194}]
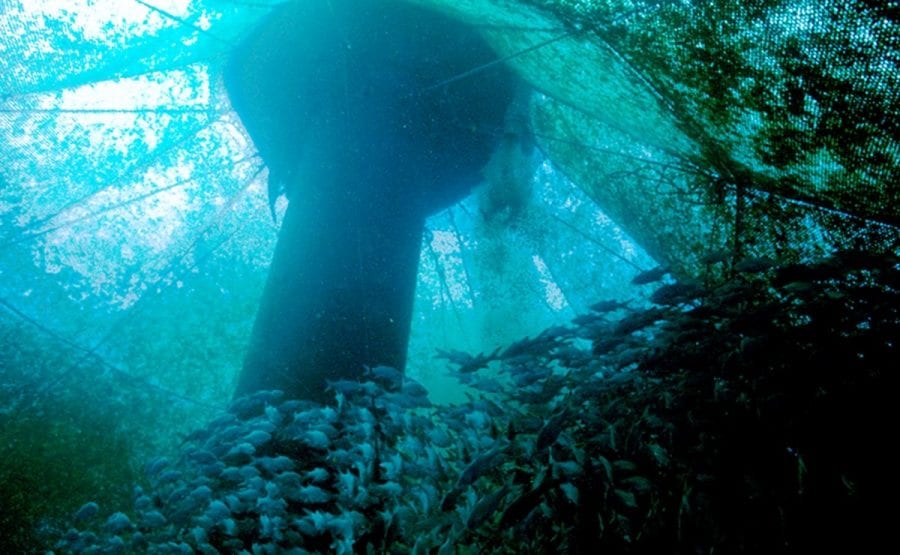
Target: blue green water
[{"x": 501, "y": 283}]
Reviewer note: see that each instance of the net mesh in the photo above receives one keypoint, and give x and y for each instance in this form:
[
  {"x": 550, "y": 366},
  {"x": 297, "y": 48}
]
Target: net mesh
[
  {"x": 718, "y": 131},
  {"x": 712, "y": 131}
]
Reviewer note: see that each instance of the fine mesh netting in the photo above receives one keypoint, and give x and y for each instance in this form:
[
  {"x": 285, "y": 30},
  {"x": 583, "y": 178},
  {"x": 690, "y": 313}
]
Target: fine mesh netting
[
  {"x": 718, "y": 130},
  {"x": 711, "y": 131}
]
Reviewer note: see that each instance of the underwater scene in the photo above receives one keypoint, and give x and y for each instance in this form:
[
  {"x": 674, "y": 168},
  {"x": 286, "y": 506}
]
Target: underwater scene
[{"x": 448, "y": 276}]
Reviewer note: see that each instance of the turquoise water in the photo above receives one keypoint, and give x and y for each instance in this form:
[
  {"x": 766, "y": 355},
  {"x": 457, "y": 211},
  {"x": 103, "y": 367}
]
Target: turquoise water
[{"x": 264, "y": 291}]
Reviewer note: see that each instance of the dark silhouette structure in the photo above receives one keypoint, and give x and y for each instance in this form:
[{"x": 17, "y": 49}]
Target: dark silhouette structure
[{"x": 363, "y": 114}]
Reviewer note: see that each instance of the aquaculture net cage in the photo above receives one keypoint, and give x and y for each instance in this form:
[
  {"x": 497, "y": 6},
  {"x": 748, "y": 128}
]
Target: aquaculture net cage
[
  {"x": 712, "y": 131},
  {"x": 718, "y": 130}
]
